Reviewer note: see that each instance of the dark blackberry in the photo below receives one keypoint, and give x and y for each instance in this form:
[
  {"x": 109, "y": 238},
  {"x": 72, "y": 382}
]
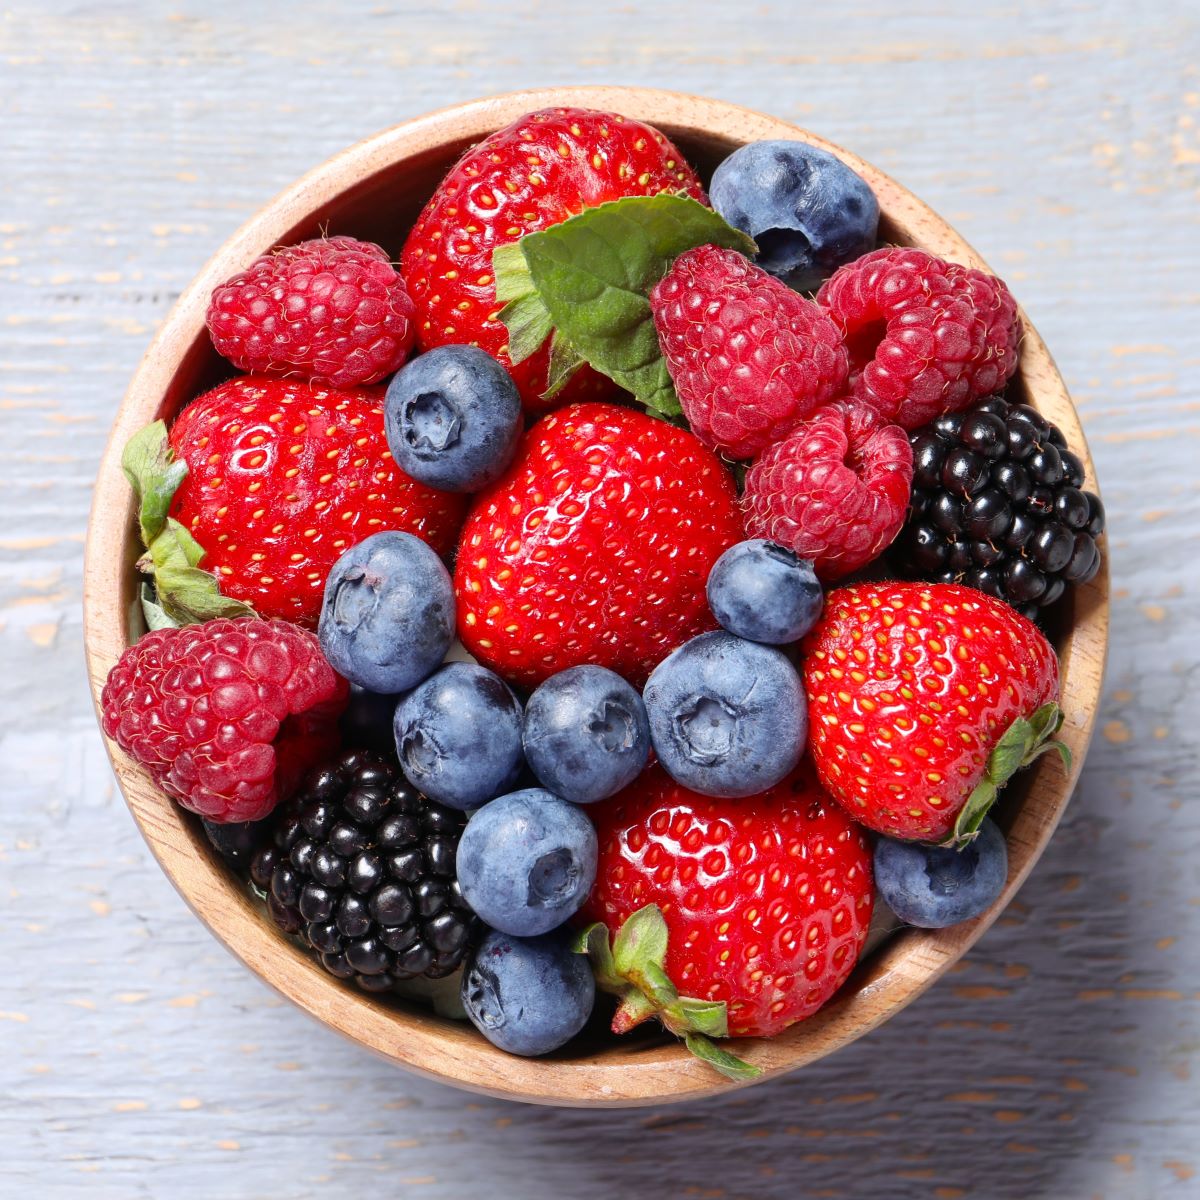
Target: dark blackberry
[
  {"x": 362, "y": 867},
  {"x": 237, "y": 841},
  {"x": 997, "y": 503}
]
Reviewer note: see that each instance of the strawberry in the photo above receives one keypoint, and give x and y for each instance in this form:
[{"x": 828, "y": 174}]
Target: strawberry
[
  {"x": 923, "y": 699},
  {"x": 754, "y": 910},
  {"x": 540, "y": 170},
  {"x": 282, "y": 477},
  {"x": 594, "y": 547}
]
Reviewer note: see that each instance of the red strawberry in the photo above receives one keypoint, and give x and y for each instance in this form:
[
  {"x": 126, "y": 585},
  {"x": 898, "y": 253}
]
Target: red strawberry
[
  {"x": 923, "y": 699},
  {"x": 543, "y": 168},
  {"x": 766, "y": 900},
  {"x": 594, "y": 547},
  {"x": 282, "y": 477}
]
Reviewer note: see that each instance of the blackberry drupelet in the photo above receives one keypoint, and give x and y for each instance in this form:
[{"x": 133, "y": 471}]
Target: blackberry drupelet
[
  {"x": 361, "y": 867},
  {"x": 997, "y": 503}
]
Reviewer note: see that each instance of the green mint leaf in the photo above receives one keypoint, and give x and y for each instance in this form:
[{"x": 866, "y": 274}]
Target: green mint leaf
[
  {"x": 640, "y": 941},
  {"x": 154, "y": 474},
  {"x": 593, "y": 274},
  {"x": 720, "y": 1060},
  {"x": 593, "y": 941}
]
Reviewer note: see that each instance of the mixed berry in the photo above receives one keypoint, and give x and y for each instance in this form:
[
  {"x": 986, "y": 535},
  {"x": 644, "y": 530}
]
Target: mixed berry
[{"x": 561, "y": 496}]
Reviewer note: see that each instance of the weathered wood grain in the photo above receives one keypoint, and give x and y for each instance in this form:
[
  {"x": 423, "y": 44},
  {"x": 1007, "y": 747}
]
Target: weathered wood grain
[{"x": 136, "y": 1058}]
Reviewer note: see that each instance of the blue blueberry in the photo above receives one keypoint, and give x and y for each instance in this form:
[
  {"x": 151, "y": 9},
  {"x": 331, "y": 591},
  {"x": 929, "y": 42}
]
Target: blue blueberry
[
  {"x": 760, "y": 591},
  {"x": 807, "y": 210},
  {"x": 727, "y": 717},
  {"x": 387, "y": 618},
  {"x": 586, "y": 734},
  {"x": 935, "y": 886},
  {"x": 527, "y": 861},
  {"x": 453, "y": 418},
  {"x": 458, "y": 736},
  {"x": 528, "y": 995}
]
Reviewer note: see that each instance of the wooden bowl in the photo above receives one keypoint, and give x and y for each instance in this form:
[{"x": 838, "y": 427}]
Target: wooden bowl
[{"x": 374, "y": 190}]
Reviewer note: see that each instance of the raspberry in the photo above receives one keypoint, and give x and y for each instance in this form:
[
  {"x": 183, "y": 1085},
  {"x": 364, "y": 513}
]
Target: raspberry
[
  {"x": 226, "y": 715},
  {"x": 926, "y": 337},
  {"x": 331, "y": 311},
  {"x": 749, "y": 357},
  {"x": 834, "y": 490}
]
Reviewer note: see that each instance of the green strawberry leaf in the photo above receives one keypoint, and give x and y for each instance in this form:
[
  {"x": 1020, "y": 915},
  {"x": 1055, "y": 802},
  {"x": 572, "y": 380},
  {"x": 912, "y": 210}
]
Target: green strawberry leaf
[
  {"x": 564, "y": 362},
  {"x": 1021, "y": 743},
  {"x": 1009, "y": 752},
  {"x": 633, "y": 969},
  {"x": 592, "y": 275},
  {"x": 184, "y": 594},
  {"x": 689, "y": 1015},
  {"x": 155, "y": 476},
  {"x": 593, "y": 941},
  {"x": 635, "y": 1007},
  {"x": 652, "y": 981},
  {"x": 641, "y": 941},
  {"x": 154, "y": 614},
  {"x": 720, "y": 1060}
]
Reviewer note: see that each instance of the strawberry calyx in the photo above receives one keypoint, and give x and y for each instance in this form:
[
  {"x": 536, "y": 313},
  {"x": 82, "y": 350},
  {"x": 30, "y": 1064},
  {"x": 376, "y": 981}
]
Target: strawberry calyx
[
  {"x": 632, "y": 968},
  {"x": 183, "y": 593},
  {"x": 1025, "y": 740}
]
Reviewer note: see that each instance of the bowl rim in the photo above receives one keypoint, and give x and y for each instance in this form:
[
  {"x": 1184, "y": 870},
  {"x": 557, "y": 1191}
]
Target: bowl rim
[{"x": 451, "y": 1052}]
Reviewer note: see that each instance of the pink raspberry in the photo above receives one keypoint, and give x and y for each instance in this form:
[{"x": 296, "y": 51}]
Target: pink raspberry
[
  {"x": 226, "y": 715},
  {"x": 835, "y": 490},
  {"x": 749, "y": 357},
  {"x": 926, "y": 337},
  {"x": 332, "y": 311}
]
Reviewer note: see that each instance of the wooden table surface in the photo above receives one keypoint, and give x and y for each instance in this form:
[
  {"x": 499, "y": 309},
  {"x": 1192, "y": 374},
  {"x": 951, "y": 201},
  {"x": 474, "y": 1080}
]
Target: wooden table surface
[{"x": 138, "y": 1059}]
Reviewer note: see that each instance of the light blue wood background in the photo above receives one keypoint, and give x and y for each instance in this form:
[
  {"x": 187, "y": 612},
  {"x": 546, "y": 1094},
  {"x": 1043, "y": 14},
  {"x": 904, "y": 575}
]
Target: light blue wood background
[{"x": 138, "y": 1059}]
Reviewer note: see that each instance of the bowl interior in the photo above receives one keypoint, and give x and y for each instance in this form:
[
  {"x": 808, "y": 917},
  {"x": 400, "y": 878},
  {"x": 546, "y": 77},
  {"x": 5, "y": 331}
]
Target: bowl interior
[{"x": 375, "y": 191}]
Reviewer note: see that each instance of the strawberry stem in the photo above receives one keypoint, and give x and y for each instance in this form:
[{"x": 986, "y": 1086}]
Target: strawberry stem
[
  {"x": 184, "y": 594},
  {"x": 632, "y": 968},
  {"x": 1026, "y": 739}
]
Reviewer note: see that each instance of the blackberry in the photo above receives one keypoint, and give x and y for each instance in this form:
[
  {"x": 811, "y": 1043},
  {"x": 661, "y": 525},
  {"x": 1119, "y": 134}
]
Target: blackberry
[
  {"x": 997, "y": 503},
  {"x": 236, "y": 842},
  {"x": 362, "y": 868}
]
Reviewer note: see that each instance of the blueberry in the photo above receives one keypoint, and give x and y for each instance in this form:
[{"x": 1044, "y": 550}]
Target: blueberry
[
  {"x": 935, "y": 886},
  {"x": 586, "y": 734},
  {"x": 387, "y": 619},
  {"x": 453, "y": 418},
  {"x": 458, "y": 736},
  {"x": 807, "y": 210},
  {"x": 760, "y": 591},
  {"x": 526, "y": 862},
  {"x": 528, "y": 995},
  {"x": 727, "y": 717}
]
